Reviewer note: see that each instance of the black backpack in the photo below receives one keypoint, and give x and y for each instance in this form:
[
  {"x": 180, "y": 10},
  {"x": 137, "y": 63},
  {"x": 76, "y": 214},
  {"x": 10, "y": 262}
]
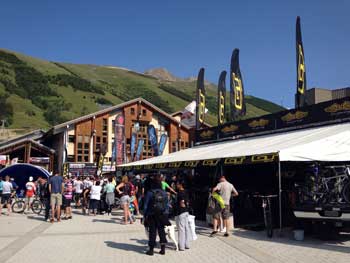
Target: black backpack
[{"x": 158, "y": 202}]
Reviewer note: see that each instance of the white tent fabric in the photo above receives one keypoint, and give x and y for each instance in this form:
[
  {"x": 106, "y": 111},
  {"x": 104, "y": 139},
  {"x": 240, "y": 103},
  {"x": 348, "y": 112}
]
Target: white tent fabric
[{"x": 327, "y": 143}]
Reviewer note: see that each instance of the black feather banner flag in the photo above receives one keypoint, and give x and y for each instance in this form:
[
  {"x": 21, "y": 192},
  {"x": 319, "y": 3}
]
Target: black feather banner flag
[
  {"x": 200, "y": 99},
  {"x": 221, "y": 98},
  {"x": 301, "y": 73},
  {"x": 237, "y": 102}
]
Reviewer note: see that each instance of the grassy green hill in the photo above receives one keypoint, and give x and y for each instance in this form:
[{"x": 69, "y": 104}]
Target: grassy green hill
[{"x": 37, "y": 94}]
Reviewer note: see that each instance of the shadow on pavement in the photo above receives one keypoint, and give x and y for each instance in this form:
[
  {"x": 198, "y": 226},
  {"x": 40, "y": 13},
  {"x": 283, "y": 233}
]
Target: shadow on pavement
[
  {"x": 287, "y": 238},
  {"x": 140, "y": 241},
  {"x": 104, "y": 221},
  {"x": 126, "y": 247},
  {"x": 36, "y": 218}
]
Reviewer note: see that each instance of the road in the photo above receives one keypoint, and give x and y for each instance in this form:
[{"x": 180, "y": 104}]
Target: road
[{"x": 102, "y": 238}]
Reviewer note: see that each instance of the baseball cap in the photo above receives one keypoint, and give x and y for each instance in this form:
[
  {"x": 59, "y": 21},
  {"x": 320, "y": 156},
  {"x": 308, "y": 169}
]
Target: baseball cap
[
  {"x": 137, "y": 177},
  {"x": 31, "y": 179}
]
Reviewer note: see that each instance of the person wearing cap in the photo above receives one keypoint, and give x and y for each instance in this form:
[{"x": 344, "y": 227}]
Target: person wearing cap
[{"x": 30, "y": 192}]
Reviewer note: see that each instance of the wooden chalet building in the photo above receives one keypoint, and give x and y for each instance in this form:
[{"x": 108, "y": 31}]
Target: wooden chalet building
[{"x": 79, "y": 141}]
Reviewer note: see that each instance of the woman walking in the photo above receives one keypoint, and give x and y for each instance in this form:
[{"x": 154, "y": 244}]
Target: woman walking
[
  {"x": 125, "y": 189},
  {"x": 110, "y": 196}
]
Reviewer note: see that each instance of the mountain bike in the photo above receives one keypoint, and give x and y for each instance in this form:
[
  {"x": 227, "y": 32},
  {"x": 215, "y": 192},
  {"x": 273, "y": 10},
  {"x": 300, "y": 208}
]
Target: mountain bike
[
  {"x": 18, "y": 204},
  {"x": 267, "y": 211},
  {"x": 37, "y": 205}
]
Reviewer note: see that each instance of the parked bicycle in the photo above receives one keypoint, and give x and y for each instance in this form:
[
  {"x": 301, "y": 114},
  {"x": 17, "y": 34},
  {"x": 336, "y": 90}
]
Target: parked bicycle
[
  {"x": 267, "y": 211},
  {"x": 36, "y": 206},
  {"x": 328, "y": 185},
  {"x": 17, "y": 204}
]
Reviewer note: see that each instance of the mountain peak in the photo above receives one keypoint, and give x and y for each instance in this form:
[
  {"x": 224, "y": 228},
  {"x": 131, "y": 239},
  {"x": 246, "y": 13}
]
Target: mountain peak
[{"x": 161, "y": 73}]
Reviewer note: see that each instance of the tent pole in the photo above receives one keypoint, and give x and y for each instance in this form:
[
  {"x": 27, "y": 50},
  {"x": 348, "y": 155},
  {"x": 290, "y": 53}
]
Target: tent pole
[{"x": 280, "y": 195}]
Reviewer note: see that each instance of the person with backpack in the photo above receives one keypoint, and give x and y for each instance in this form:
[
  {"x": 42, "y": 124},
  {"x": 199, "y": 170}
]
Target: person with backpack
[
  {"x": 156, "y": 215},
  {"x": 125, "y": 188}
]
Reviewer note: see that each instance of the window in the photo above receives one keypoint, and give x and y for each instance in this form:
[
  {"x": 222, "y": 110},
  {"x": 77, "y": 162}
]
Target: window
[
  {"x": 104, "y": 126},
  {"x": 173, "y": 146},
  {"x": 71, "y": 138},
  {"x": 104, "y": 140},
  {"x": 113, "y": 126},
  {"x": 98, "y": 139},
  {"x": 70, "y": 158},
  {"x": 83, "y": 149},
  {"x": 144, "y": 112},
  {"x": 132, "y": 111}
]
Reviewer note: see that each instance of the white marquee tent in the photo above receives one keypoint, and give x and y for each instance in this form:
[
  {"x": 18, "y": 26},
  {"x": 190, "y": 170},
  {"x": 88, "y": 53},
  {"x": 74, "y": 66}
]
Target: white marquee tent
[{"x": 328, "y": 143}]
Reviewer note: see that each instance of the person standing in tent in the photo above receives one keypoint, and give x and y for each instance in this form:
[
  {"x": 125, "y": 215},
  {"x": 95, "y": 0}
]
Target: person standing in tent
[
  {"x": 182, "y": 211},
  {"x": 30, "y": 192},
  {"x": 226, "y": 190}
]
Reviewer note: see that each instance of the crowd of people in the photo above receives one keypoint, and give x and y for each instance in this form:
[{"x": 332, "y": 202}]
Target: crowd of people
[{"x": 155, "y": 197}]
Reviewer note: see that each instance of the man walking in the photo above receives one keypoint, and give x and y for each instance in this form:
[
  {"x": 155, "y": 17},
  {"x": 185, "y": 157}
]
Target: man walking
[
  {"x": 56, "y": 187},
  {"x": 225, "y": 189},
  {"x": 156, "y": 215}
]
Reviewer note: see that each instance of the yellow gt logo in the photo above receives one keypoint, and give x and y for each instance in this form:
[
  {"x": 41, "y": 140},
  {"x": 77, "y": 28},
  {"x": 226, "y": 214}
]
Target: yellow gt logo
[
  {"x": 238, "y": 94},
  {"x": 221, "y": 108},
  {"x": 201, "y": 107},
  {"x": 301, "y": 72}
]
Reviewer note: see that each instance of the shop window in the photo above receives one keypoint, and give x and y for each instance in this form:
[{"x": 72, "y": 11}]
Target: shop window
[{"x": 71, "y": 138}]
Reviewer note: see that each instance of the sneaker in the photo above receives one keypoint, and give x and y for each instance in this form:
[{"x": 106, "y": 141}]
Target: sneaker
[
  {"x": 223, "y": 230},
  {"x": 213, "y": 233},
  {"x": 226, "y": 234}
]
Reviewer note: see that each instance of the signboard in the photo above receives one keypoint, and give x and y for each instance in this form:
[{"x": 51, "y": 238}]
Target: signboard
[
  {"x": 313, "y": 115},
  {"x": 39, "y": 160},
  {"x": 85, "y": 169},
  {"x": 119, "y": 139}
]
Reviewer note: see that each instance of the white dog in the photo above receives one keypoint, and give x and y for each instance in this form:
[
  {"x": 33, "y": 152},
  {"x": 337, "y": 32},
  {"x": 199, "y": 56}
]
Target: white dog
[{"x": 170, "y": 232}]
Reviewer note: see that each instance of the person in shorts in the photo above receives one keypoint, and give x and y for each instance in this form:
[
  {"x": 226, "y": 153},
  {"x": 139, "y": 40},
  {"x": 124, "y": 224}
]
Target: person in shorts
[
  {"x": 125, "y": 189},
  {"x": 30, "y": 192},
  {"x": 6, "y": 195},
  {"x": 56, "y": 187},
  {"x": 226, "y": 190}
]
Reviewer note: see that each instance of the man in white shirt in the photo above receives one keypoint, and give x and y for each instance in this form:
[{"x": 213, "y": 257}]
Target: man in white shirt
[
  {"x": 78, "y": 191},
  {"x": 6, "y": 195}
]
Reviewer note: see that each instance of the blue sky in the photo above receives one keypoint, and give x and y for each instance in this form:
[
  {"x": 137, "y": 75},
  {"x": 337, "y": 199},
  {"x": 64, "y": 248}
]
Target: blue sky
[{"x": 184, "y": 35}]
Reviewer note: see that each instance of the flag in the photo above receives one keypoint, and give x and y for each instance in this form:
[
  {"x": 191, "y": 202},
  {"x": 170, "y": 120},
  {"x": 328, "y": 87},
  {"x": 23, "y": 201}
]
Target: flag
[
  {"x": 162, "y": 142},
  {"x": 301, "y": 73},
  {"x": 133, "y": 145},
  {"x": 139, "y": 149},
  {"x": 200, "y": 99},
  {"x": 119, "y": 139},
  {"x": 237, "y": 101},
  {"x": 221, "y": 98},
  {"x": 152, "y": 139}
]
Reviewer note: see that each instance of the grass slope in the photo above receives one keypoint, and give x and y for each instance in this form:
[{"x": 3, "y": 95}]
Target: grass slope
[{"x": 71, "y": 90}]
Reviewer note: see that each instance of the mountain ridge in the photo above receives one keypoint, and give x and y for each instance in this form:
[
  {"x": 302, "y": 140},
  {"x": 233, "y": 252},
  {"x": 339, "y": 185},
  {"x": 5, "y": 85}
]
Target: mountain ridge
[{"x": 39, "y": 93}]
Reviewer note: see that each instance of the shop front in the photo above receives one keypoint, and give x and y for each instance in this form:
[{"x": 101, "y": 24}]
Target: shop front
[{"x": 265, "y": 164}]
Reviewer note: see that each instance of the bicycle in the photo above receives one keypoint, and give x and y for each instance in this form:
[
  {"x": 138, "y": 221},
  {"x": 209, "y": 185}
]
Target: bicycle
[
  {"x": 266, "y": 205},
  {"x": 327, "y": 186},
  {"x": 37, "y": 205},
  {"x": 18, "y": 204}
]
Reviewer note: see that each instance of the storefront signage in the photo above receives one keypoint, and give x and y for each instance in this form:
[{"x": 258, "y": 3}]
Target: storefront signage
[{"x": 313, "y": 115}]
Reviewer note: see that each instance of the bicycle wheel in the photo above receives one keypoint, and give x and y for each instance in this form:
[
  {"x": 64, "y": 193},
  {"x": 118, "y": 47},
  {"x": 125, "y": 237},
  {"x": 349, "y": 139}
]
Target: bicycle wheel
[
  {"x": 346, "y": 192},
  {"x": 37, "y": 206},
  {"x": 18, "y": 206},
  {"x": 268, "y": 224}
]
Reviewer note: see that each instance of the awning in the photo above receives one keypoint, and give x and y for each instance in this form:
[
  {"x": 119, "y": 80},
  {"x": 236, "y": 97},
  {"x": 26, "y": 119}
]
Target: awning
[{"x": 327, "y": 143}]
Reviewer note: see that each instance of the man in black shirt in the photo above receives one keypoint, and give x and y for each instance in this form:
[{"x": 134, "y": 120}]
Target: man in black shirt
[
  {"x": 182, "y": 212},
  {"x": 44, "y": 193}
]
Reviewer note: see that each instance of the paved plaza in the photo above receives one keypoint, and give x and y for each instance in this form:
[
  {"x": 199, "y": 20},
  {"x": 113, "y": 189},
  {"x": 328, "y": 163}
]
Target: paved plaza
[{"x": 26, "y": 238}]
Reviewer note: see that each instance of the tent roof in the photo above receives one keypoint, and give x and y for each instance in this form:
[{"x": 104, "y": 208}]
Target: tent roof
[{"x": 327, "y": 143}]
